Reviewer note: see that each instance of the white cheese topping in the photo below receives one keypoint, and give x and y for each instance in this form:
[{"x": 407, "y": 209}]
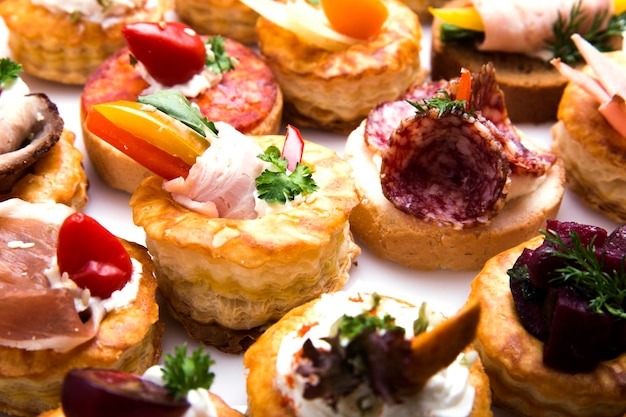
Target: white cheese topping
[
  {"x": 200, "y": 400},
  {"x": 446, "y": 394},
  {"x": 11, "y": 92},
  {"x": 106, "y": 13}
]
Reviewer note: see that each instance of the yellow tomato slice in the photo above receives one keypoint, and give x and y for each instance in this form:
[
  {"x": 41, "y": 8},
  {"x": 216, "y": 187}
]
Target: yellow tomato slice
[
  {"x": 463, "y": 17},
  {"x": 359, "y": 19},
  {"x": 156, "y": 128}
]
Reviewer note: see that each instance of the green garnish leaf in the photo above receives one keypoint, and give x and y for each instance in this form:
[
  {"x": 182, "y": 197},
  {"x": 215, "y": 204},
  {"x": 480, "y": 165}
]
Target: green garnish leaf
[
  {"x": 605, "y": 290},
  {"x": 562, "y": 46},
  {"x": 182, "y": 373},
  {"x": 276, "y": 185},
  {"x": 217, "y": 59},
  {"x": 9, "y": 71},
  {"x": 351, "y": 326},
  {"x": 176, "y": 105},
  {"x": 442, "y": 103},
  {"x": 420, "y": 325}
]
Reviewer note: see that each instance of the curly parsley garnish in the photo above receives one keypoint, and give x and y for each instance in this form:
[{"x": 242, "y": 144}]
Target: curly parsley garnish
[
  {"x": 9, "y": 71},
  {"x": 182, "y": 373},
  {"x": 176, "y": 105},
  {"x": 562, "y": 45},
  {"x": 605, "y": 290},
  {"x": 442, "y": 102},
  {"x": 275, "y": 185},
  {"x": 217, "y": 59}
]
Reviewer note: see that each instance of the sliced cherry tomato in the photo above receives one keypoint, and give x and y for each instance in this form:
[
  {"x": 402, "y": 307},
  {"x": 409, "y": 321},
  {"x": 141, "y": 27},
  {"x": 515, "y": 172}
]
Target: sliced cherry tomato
[
  {"x": 149, "y": 156},
  {"x": 172, "y": 52},
  {"x": 94, "y": 392},
  {"x": 464, "y": 89},
  {"x": 359, "y": 19},
  {"x": 293, "y": 147},
  {"x": 92, "y": 256}
]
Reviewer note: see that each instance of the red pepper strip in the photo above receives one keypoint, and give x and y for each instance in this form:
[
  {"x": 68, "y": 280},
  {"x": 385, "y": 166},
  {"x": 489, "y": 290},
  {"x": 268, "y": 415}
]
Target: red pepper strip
[
  {"x": 92, "y": 256},
  {"x": 149, "y": 156},
  {"x": 293, "y": 147},
  {"x": 464, "y": 89}
]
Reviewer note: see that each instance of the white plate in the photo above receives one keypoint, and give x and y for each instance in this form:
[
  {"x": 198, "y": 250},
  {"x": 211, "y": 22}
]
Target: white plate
[{"x": 445, "y": 290}]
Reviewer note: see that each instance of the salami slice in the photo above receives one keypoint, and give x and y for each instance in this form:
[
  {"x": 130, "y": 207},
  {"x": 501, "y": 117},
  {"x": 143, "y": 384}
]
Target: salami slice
[{"x": 449, "y": 169}]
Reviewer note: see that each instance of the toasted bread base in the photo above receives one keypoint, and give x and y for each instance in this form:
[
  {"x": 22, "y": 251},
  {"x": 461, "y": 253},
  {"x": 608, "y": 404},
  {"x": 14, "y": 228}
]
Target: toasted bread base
[
  {"x": 392, "y": 234},
  {"x": 513, "y": 358}
]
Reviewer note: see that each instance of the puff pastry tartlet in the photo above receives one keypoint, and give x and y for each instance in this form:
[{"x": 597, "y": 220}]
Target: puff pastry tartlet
[
  {"x": 287, "y": 377},
  {"x": 65, "y": 43},
  {"x": 332, "y": 87},
  {"x": 227, "y": 276},
  {"x": 37, "y": 347},
  {"x": 515, "y": 359}
]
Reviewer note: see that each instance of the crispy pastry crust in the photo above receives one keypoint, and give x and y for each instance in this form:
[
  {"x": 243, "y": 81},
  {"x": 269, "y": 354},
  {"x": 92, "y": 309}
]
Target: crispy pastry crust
[
  {"x": 391, "y": 234},
  {"x": 58, "y": 176},
  {"x": 223, "y": 277},
  {"x": 264, "y": 399},
  {"x": 513, "y": 358},
  {"x": 335, "y": 90},
  {"x": 247, "y": 98},
  {"x": 594, "y": 153},
  {"x": 59, "y": 47},
  {"x": 129, "y": 339},
  {"x": 229, "y": 18}
]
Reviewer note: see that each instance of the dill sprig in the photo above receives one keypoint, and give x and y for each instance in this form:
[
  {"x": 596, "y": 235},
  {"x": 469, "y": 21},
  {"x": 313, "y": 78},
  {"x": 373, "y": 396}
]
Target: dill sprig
[
  {"x": 606, "y": 290},
  {"x": 442, "y": 102},
  {"x": 182, "y": 373},
  {"x": 562, "y": 46}
]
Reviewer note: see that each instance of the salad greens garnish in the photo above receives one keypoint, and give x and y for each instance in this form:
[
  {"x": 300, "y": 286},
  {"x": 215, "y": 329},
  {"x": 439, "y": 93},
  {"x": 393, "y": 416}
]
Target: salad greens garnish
[
  {"x": 276, "y": 185},
  {"x": 442, "y": 102},
  {"x": 605, "y": 290},
  {"x": 175, "y": 104},
  {"x": 217, "y": 59},
  {"x": 183, "y": 373},
  {"x": 9, "y": 71}
]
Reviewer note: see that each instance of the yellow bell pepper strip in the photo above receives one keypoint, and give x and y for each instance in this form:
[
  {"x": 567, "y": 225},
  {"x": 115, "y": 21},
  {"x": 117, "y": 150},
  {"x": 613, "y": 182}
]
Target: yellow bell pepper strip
[
  {"x": 146, "y": 154},
  {"x": 359, "y": 19},
  {"x": 462, "y": 17}
]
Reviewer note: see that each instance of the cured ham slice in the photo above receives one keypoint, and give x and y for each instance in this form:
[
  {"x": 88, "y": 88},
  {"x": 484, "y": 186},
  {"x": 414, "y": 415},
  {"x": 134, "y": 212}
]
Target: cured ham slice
[
  {"x": 33, "y": 314},
  {"x": 524, "y": 26}
]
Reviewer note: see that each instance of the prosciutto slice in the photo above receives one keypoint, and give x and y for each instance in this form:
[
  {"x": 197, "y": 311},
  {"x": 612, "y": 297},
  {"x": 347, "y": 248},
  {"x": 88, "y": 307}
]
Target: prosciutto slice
[
  {"x": 33, "y": 315},
  {"x": 524, "y": 26}
]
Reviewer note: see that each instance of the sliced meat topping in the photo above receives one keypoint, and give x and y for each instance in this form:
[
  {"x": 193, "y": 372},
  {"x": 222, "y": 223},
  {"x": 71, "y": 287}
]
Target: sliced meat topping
[
  {"x": 29, "y": 129},
  {"x": 448, "y": 169},
  {"x": 34, "y": 315}
]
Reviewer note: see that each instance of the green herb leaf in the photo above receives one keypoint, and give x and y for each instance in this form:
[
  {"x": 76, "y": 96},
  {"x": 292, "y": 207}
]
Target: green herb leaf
[
  {"x": 176, "y": 105},
  {"x": 182, "y": 373},
  {"x": 420, "y": 325},
  {"x": 442, "y": 103},
  {"x": 276, "y": 185},
  {"x": 9, "y": 71},
  {"x": 217, "y": 59},
  {"x": 562, "y": 46},
  {"x": 605, "y": 290}
]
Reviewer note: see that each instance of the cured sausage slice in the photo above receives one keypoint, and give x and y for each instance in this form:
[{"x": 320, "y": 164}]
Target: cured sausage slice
[{"x": 448, "y": 168}]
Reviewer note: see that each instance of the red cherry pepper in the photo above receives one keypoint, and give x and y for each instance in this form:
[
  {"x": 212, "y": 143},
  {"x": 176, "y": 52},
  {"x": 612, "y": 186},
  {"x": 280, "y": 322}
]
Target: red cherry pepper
[
  {"x": 92, "y": 256},
  {"x": 293, "y": 147},
  {"x": 171, "y": 52}
]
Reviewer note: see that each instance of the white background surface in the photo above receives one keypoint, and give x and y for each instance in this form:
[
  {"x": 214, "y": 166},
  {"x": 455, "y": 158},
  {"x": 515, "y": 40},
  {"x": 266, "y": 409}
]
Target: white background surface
[{"x": 444, "y": 290}]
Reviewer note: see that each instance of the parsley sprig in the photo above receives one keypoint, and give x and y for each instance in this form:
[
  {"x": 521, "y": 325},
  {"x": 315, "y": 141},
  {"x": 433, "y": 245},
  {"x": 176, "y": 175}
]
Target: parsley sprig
[
  {"x": 562, "y": 46},
  {"x": 217, "y": 59},
  {"x": 605, "y": 290},
  {"x": 275, "y": 185},
  {"x": 9, "y": 71},
  {"x": 183, "y": 373},
  {"x": 442, "y": 102}
]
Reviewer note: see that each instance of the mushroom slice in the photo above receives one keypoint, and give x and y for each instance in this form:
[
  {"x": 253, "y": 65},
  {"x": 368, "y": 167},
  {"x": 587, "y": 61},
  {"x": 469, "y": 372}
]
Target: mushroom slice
[{"x": 30, "y": 128}]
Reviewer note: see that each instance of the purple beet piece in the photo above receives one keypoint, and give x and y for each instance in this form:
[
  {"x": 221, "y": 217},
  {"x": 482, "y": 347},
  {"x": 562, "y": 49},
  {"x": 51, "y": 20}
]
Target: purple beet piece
[
  {"x": 528, "y": 301},
  {"x": 578, "y": 336},
  {"x": 613, "y": 251}
]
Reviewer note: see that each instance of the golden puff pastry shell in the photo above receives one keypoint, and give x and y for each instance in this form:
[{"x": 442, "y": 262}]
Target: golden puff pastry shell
[{"x": 512, "y": 357}]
